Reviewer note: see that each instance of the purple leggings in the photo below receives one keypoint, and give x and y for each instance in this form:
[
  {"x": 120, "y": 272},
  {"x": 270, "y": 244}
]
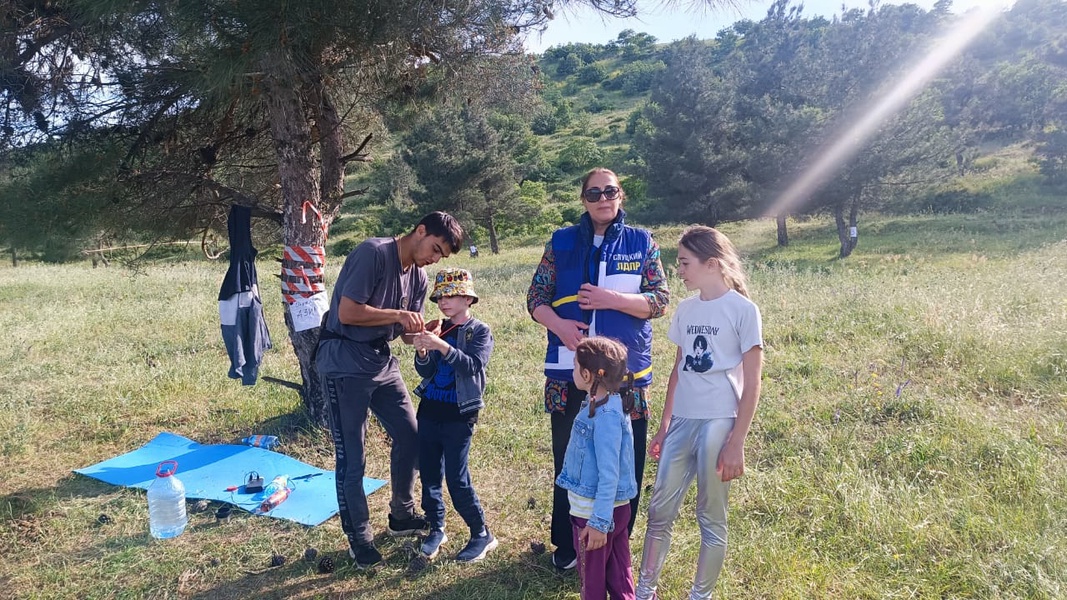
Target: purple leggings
[{"x": 606, "y": 571}]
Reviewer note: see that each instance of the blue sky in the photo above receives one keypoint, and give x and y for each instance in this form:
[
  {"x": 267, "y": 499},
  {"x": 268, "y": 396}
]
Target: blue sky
[{"x": 669, "y": 24}]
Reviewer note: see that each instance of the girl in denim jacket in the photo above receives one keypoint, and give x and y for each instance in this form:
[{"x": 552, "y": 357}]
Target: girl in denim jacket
[{"x": 598, "y": 470}]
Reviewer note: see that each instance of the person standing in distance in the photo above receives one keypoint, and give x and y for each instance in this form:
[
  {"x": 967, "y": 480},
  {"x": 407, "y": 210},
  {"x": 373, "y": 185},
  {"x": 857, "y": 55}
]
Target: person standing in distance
[
  {"x": 599, "y": 277},
  {"x": 378, "y": 297}
]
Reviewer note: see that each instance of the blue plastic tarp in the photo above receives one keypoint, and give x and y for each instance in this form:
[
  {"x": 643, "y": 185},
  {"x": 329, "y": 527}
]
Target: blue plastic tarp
[{"x": 207, "y": 470}]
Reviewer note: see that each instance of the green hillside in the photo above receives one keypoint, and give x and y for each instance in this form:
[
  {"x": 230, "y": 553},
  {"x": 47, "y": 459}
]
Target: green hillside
[
  {"x": 716, "y": 130},
  {"x": 910, "y": 440}
]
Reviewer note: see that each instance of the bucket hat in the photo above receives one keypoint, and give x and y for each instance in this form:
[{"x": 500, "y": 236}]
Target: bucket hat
[{"x": 453, "y": 282}]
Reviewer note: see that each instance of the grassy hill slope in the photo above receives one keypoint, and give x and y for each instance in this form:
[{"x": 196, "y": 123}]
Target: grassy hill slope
[{"x": 910, "y": 442}]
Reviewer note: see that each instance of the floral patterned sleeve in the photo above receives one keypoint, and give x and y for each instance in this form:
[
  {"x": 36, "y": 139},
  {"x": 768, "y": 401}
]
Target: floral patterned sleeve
[
  {"x": 654, "y": 283},
  {"x": 543, "y": 285}
]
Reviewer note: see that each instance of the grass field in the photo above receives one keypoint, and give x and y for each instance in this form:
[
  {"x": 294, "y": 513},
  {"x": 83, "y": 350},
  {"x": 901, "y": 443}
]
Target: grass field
[{"x": 911, "y": 441}]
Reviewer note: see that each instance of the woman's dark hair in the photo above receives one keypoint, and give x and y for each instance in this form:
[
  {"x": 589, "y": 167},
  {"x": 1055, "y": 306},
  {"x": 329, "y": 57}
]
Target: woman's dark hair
[
  {"x": 605, "y": 358},
  {"x": 701, "y": 341},
  {"x": 589, "y": 175},
  {"x": 445, "y": 226}
]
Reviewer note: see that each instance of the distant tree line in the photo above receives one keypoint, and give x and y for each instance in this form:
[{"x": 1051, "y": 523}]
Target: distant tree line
[
  {"x": 731, "y": 122},
  {"x": 703, "y": 130},
  {"x": 724, "y": 126}
]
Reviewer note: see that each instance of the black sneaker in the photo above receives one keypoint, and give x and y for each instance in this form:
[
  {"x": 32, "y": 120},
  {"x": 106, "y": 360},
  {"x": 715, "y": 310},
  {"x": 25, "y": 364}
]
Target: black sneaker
[
  {"x": 407, "y": 527},
  {"x": 365, "y": 556},
  {"x": 477, "y": 548},
  {"x": 564, "y": 563}
]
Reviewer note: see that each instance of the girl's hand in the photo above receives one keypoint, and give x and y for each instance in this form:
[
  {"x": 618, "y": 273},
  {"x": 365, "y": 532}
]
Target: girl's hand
[
  {"x": 655, "y": 447},
  {"x": 592, "y": 539},
  {"x": 731, "y": 464}
]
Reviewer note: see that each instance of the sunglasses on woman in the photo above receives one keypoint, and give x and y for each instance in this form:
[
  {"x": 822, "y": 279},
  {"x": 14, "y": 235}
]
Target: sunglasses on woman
[{"x": 594, "y": 194}]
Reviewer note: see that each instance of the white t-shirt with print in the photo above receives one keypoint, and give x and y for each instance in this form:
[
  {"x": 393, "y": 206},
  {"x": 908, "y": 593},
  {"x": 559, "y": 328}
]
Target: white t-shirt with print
[{"x": 713, "y": 335}]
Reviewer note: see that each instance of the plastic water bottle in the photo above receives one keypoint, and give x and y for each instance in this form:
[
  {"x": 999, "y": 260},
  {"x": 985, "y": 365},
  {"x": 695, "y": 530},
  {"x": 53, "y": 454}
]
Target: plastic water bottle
[
  {"x": 166, "y": 502},
  {"x": 277, "y": 491},
  {"x": 267, "y": 442},
  {"x": 278, "y": 483}
]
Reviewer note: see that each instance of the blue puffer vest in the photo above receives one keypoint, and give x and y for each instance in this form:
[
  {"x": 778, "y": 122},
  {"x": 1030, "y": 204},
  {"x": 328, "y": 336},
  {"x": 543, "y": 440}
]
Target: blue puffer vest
[{"x": 616, "y": 265}]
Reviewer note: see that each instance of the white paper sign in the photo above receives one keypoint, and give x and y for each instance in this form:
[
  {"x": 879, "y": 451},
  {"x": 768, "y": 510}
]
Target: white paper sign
[
  {"x": 307, "y": 312},
  {"x": 853, "y": 232}
]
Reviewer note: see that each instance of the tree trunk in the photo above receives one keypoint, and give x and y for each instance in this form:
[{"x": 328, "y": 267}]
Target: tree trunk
[
  {"x": 842, "y": 231},
  {"x": 783, "y": 232},
  {"x": 853, "y": 225},
  {"x": 292, "y": 138},
  {"x": 14, "y": 257},
  {"x": 847, "y": 233},
  {"x": 494, "y": 242}
]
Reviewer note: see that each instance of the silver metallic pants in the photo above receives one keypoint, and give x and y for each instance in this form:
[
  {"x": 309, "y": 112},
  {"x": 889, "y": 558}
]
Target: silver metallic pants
[{"x": 691, "y": 449}]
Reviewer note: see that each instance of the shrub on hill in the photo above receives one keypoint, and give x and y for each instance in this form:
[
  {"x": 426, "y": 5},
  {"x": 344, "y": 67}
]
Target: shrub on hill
[
  {"x": 592, "y": 73},
  {"x": 636, "y": 77},
  {"x": 580, "y": 153}
]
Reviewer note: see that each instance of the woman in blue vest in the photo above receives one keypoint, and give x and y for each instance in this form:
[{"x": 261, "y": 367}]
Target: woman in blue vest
[{"x": 599, "y": 277}]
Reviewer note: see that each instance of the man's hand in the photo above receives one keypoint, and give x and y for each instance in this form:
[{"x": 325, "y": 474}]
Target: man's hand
[{"x": 411, "y": 321}]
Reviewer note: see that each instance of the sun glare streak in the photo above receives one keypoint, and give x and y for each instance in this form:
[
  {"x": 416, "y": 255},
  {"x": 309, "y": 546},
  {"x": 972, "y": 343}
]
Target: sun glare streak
[{"x": 853, "y": 137}]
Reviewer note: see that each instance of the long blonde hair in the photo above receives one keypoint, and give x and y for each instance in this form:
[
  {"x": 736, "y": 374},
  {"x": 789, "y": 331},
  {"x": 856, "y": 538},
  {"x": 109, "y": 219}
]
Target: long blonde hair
[{"x": 708, "y": 242}]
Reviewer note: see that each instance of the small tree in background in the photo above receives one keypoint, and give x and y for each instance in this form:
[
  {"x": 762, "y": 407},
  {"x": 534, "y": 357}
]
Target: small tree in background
[{"x": 468, "y": 166}]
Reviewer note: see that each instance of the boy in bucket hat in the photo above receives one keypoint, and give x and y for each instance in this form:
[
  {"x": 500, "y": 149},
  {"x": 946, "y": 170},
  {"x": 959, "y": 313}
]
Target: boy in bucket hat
[{"x": 452, "y": 365}]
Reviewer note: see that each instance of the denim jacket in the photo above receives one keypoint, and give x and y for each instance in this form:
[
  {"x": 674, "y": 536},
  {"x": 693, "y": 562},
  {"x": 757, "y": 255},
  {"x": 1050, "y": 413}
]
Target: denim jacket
[
  {"x": 599, "y": 463},
  {"x": 469, "y": 357}
]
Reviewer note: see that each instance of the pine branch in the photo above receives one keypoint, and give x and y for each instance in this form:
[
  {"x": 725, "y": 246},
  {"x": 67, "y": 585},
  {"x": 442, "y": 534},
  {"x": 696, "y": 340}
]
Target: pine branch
[{"x": 356, "y": 156}]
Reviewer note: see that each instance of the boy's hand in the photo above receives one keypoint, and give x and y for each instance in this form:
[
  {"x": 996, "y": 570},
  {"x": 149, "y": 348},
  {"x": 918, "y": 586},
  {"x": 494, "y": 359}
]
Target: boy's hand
[
  {"x": 427, "y": 341},
  {"x": 433, "y": 326},
  {"x": 592, "y": 539}
]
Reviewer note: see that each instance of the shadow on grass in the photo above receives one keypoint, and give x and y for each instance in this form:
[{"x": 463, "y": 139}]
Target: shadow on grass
[
  {"x": 38, "y": 500},
  {"x": 290, "y": 426},
  {"x": 403, "y": 573}
]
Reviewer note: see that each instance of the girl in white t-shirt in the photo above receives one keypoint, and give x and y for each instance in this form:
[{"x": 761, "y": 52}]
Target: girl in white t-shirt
[{"x": 711, "y": 398}]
